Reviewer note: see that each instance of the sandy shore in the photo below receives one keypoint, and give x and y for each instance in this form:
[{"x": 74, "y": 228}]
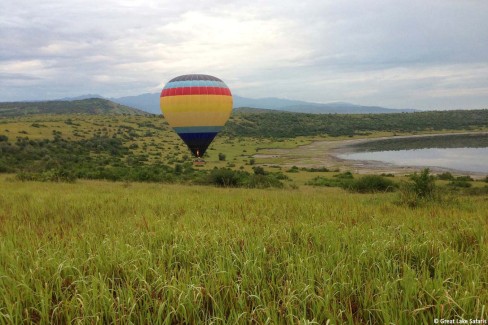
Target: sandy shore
[{"x": 326, "y": 154}]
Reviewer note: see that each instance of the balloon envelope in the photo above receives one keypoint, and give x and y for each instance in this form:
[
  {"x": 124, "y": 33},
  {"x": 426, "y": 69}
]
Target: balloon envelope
[{"x": 196, "y": 106}]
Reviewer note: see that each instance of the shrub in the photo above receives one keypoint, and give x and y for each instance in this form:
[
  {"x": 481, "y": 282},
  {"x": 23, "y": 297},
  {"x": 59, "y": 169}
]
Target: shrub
[
  {"x": 262, "y": 181},
  {"x": 258, "y": 170},
  {"x": 464, "y": 178},
  {"x": 371, "y": 184},
  {"x": 459, "y": 183},
  {"x": 280, "y": 176},
  {"x": 315, "y": 170},
  {"x": 345, "y": 175},
  {"x": 421, "y": 188},
  {"x": 225, "y": 177},
  {"x": 446, "y": 176},
  {"x": 329, "y": 182},
  {"x": 221, "y": 157},
  {"x": 293, "y": 169},
  {"x": 423, "y": 184}
]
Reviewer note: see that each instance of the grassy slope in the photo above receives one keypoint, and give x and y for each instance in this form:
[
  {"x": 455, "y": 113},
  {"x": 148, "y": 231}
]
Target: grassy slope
[
  {"x": 149, "y": 135},
  {"x": 109, "y": 252},
  {"x": 84, "y": 106}
]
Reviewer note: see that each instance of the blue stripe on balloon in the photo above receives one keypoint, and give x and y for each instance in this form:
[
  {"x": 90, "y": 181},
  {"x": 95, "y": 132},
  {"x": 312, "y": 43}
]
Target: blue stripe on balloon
[
  {"x": 197, "y": 137},
  {"x": 198, "y": 129}
]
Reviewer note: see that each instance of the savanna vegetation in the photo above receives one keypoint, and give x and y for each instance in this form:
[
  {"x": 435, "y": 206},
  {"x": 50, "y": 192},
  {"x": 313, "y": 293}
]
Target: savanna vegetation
[
  {"x": 104, "y": 219},
  {"x": 103, "y": 252},
  {"x": 288, "y": 125}
]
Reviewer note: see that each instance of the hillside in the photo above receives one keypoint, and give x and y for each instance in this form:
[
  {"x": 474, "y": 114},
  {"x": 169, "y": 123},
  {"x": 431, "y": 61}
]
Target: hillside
[
  {"x": 287, "y": 125},
  {"x": 84, "y": 106}
]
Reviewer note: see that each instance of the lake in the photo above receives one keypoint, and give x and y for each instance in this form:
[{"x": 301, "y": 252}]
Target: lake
[{"x": 461, "y": 152}]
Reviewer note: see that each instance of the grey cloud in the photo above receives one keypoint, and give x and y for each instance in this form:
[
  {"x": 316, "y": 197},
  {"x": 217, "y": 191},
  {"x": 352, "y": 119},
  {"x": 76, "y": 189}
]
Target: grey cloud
[{"x": 379, "y": 52}]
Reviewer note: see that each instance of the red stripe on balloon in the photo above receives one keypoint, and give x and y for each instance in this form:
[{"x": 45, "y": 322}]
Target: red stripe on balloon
[{"x": 196, "y": 91}]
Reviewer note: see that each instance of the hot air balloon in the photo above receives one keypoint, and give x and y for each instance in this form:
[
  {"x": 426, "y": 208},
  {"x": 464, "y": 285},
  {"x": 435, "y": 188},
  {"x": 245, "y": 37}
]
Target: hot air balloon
[{"x": 196, "y": 106}]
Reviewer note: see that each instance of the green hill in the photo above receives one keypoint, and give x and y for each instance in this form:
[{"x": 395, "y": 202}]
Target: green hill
[
  {"x": 84, "y": 106},
  {"x": 288, "y": 125}
]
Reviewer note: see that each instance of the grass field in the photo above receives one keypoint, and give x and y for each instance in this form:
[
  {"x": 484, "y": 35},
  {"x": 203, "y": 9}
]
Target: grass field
[{"x": 102, "y": 252}]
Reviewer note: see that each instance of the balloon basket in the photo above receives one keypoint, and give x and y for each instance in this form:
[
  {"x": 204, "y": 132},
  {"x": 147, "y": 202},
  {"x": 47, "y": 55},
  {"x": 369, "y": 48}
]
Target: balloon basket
[{"x": 199, "y": 162}]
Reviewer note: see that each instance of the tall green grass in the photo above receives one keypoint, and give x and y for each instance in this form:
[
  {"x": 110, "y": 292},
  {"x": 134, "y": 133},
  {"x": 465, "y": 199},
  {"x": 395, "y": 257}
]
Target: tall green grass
[{"x": 100, "y": 252}]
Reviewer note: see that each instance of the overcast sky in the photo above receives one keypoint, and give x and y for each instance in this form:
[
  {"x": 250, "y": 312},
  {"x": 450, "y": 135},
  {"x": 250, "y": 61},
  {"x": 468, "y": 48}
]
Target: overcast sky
[{"x": 425, "y": 54}]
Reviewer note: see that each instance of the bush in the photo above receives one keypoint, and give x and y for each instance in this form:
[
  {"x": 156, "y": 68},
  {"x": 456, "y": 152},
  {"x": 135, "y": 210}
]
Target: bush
[
  {"x": 262, "y": 181},
  {"x": 421, "y": 189},
  {"x": 371, "y": 184},
  {"x": 221, "y": 157},
  {"x": 345, "y": 175},
  {"x": 459, "y": 183},
  {"x": 315, "y": 170},
  {"x": 293, "y": 169},
  {"x": 225, "y": 177},
  {"x": 464, "y": 178},
  {"x": 280, "y": 176},
  {"x": 423, "y": 184},
  {"x": 258, "y": 170},
  {"x": 446, "y": 176},
  {"x": 329, "y": 182}
]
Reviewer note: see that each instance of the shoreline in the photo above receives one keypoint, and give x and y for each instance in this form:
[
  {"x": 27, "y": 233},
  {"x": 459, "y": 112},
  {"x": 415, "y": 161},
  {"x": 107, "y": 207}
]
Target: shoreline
[{"x": 324, "y": 153}]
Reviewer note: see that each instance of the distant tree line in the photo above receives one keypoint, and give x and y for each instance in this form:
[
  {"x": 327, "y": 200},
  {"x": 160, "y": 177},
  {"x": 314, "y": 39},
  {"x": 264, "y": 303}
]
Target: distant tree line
[
  {"x": 444, "y": 141},
  {"x": 288, "y": 125}
]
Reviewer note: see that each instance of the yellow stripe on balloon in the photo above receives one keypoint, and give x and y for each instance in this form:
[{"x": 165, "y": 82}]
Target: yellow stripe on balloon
[
  {"x": 181, "y": 119},
  {"x": 196, "y": 103}
]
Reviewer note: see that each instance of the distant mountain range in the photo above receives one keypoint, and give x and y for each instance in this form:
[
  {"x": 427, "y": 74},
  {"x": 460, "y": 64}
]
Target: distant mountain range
[
  {"x": 309, "y": 107},
  {"x": 146, "y": 102},
  {"x": 149, "y": 102}
]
